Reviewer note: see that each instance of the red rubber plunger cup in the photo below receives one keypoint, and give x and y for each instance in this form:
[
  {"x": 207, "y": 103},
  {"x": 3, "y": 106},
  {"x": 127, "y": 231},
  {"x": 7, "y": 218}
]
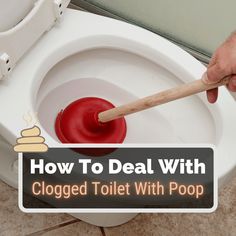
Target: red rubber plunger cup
[{"x": 78, "y": 123}]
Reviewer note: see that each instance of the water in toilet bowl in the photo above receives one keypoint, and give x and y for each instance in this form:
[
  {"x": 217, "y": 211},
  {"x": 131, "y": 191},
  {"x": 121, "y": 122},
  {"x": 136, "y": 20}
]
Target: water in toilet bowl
[{"x": 155, "y": 126}]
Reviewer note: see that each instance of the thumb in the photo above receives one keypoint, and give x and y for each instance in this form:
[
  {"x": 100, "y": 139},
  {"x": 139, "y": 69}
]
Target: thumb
[{"x": 215, "y": 73}]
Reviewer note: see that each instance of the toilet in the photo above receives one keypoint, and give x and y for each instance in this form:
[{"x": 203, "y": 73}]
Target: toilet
[{"x": 51, "y": 56}]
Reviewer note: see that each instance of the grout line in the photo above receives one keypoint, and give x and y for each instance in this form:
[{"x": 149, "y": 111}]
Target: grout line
[
  {"x": 54, "y": 227},
  {"x": 102, "y": 231}
]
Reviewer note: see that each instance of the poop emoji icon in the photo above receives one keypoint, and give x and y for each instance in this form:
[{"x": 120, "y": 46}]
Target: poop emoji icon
[{"x": 31, "y": 141}]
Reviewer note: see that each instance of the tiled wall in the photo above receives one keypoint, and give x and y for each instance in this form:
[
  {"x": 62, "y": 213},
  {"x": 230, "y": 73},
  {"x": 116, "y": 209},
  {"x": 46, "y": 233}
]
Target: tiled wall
[{"x": 200, "y": 24}]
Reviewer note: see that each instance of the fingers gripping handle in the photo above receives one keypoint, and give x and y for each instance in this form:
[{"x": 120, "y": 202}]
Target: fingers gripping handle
[{"x": 166, "y": 96}]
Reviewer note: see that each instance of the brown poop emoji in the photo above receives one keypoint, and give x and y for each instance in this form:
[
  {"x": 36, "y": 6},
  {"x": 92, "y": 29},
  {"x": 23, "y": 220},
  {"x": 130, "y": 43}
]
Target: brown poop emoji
[{"x": 31, "y": 141}]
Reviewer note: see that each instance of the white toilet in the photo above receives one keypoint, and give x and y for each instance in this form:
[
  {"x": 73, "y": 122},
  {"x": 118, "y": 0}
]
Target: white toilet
[{"x": 46, "y": 62}]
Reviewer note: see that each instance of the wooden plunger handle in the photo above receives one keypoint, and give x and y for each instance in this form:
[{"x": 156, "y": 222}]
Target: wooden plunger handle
[{"x": 166, "y": 96}]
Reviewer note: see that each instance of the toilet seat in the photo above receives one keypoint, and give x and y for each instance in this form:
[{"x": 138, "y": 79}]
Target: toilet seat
[
  {"x": 80, "y": 31},
  {"x": 43, "y": 16}
]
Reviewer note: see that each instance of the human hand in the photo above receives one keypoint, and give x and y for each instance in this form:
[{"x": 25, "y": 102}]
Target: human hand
[{"x": 222, "y": 64}]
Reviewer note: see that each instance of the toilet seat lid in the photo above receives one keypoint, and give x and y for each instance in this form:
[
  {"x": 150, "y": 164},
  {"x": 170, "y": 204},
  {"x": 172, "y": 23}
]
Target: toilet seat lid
[{"x": 13, "y": 11}]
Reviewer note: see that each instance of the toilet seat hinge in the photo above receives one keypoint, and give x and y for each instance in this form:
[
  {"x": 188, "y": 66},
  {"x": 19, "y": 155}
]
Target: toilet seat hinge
[
  {"x": 5, "y": 65},
  {"x": 60, "y": 6}
]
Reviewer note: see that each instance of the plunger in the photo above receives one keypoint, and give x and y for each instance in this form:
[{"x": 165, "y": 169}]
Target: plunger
[{"x": 95, "y": 120}]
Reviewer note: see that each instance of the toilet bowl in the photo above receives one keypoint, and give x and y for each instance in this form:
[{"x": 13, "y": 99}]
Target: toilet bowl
[{"x": 90, "y": 55}]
